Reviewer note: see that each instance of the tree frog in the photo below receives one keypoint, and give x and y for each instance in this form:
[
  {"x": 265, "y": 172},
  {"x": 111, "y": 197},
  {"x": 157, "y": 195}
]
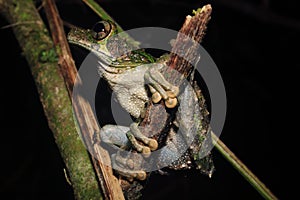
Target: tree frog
[{"x": 132, "y": 75}]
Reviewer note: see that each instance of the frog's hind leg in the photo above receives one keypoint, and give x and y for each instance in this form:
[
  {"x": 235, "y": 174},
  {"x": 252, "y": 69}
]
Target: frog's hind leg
[
  {"x": 115, "y": 136},
  {"x": 160, "y": 87}
]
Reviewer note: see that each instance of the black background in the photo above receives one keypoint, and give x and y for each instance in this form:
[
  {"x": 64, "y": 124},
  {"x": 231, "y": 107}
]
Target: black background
[{"x": 256, "y": 48}]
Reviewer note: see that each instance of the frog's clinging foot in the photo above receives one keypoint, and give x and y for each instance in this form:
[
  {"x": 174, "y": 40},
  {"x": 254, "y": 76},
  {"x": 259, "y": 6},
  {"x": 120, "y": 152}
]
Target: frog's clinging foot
[
  {"x": 121, "y": 165},
  {"x": 122, "y": 138},
  {"x": 135, "y": 134},
  {"x": 160, "y": 87}
]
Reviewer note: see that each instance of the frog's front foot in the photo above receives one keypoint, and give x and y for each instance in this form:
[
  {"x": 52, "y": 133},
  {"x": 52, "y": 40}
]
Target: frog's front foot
[{"x": 160, "y": 87}]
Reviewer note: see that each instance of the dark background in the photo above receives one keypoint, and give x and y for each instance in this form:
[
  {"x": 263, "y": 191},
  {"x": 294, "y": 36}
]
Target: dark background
[{"x": 256, "y": 48}]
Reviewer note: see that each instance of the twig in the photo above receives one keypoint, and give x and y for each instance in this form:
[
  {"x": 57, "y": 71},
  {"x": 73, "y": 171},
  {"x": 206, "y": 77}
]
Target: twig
[
  {"x": 19, "y": 23},
  {"x": 101, "y": 12},
  {"x": 242, "y": 168},
  {"x": 179, "y": 69}
]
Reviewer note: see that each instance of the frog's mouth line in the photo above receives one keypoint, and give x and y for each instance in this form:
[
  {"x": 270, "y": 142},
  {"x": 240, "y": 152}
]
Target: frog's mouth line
[
  {"x": 107, "y": 66},
  {"x": 105, "y": 61}
]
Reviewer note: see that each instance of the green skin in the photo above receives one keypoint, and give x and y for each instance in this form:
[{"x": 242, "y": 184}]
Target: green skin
[{"x": 126, "y": 73}]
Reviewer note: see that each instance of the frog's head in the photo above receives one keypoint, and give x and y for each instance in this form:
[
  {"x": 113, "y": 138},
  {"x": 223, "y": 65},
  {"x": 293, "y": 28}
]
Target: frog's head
[
  {"x": 94, "y": 39},
  {"x": 111, "y": 48}
]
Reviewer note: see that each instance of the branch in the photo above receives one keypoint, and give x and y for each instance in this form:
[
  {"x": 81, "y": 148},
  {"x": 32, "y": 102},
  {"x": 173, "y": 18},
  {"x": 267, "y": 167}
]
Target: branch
[
  {"x": 84, "y": 114},
  {"x": 39, "y": 51},
  {"x": 179, "y": 69}
]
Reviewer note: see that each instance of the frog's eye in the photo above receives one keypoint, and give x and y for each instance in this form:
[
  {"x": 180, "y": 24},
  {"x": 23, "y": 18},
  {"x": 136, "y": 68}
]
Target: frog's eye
[{"x": 101, "y": 30}]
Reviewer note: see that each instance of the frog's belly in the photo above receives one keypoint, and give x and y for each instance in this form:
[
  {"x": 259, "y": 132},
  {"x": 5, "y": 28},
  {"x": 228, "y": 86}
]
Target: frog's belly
[{"x": 130, "y": 90}]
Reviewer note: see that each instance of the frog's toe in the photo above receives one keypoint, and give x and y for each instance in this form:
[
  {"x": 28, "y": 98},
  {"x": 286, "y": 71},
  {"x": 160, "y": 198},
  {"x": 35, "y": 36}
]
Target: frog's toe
[
  {"x": 173, "y": 92},
  {"x": 146, "y": 151},
  {"x": 141, "y": 175},
  {"x": 171, "y": 102},
  {"x": 153, "y": 145},
  {"x": 170, "y": 99},
  {"x": 156, "y": 97}
]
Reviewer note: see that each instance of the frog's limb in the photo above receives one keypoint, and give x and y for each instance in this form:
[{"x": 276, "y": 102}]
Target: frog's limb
[
  {"x": 160, "y": 87},
  {"x": 115, "y": 136}
]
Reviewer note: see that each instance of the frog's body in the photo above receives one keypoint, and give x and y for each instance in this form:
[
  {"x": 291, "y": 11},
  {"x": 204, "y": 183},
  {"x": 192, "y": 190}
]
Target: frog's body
[
  {"x": 131, "y": 93},
  {"x": 126, "y": 71}
]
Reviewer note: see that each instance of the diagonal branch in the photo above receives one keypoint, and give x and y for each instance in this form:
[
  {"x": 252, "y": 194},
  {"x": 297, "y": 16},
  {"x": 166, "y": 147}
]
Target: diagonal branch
[
  {"x": 40, "y": 53},
  {"x": 84, "y": 114}
]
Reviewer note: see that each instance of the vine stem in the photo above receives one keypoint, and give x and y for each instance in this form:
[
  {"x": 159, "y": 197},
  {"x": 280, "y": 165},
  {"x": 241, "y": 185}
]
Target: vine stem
[{"x": 242, "y": 168}]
